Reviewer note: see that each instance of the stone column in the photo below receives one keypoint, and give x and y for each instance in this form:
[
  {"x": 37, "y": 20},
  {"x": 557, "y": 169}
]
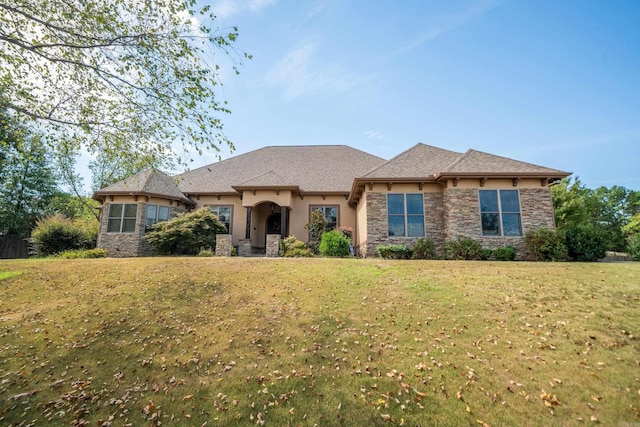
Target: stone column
[
  {"x": 244, "y": 248},
  {"x": 273, "y": 245},
  {"x": 223, "y": 245}
]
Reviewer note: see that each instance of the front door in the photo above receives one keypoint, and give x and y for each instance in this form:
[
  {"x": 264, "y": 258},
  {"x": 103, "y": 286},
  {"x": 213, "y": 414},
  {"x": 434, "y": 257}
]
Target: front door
[{"x": 274, "y": 223}]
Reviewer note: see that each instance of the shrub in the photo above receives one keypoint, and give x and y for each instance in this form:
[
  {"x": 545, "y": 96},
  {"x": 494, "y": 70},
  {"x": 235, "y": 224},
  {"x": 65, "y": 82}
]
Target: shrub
[
  {"x": 314, "y": 247},
  {"x": 335, "y": 243},
  {"x": 633, "y": 247},
  {"x": 424, "y": 249},
  {"x": 506, "y": 253},
  {"x": 205, "y": 252},
  {"x": 56, "y": 234},
  {"x": 186, "y": 233},
  {"x": 545, "y": 245},
  {"x": 318, "y": 224},
  {"x": 394, "y": 251},
  {"x": 465, "y": 248},
  {"x": 292, "y": 247},
  {"x": 585, "y": 243},
  {"x": 84, "y": 253}
]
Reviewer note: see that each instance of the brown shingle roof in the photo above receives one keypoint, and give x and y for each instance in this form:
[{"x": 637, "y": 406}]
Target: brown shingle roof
[
  {"x": 314, "y": 168},
  {"x": 477, "y": 162},
  {"x": 151, "y": 182},
  {"x": 419, "y": 161}
]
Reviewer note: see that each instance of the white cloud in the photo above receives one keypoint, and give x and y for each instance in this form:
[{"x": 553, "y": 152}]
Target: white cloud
[
  {"x": 298, "y": 73},
  {"x": 375, "y": 135},
  {"x": 448, "y": 22}
]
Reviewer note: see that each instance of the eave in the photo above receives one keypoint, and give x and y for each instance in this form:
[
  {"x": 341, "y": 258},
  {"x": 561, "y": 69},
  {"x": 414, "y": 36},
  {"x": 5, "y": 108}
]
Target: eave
[{"x": 101, "y": 196}]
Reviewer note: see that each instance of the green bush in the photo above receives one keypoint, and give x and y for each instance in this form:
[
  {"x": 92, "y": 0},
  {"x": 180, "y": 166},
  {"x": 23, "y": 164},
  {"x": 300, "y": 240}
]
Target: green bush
[
  {"x": 205, "y": 252},
  {"x": 292, "y": 247},
  {"x": 585, "y": 243},
  {"x": 465, "y": 248},
  {"x": 424, "y": 249},
  {"x": 186, "y": 233},
  {"x": 506, "y": 253},
  {"x": 335, "y": 243},
  {"x": 84, "y": 253},
  {"x": 57, "y": 234},
  {"x": 394, "y": 251},
  {"x": 633, "y": 247},
  {"x": 545, "y": 245}
]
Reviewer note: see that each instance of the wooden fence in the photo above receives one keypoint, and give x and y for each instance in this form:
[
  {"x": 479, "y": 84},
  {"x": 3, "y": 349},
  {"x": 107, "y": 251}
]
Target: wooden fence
[{"x": 13, "y": 247}]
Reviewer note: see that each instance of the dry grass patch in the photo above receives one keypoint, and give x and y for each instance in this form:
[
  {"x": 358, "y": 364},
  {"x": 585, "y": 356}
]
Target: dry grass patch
[{"x": 232, "y": 341}]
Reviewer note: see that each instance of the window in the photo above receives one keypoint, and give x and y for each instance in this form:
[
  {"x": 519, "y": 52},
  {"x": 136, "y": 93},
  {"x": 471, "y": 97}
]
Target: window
[
  {"x": 405, "y": 215},
  {"x": 122, "y": 218},
  {"x": 155, "y": 214},
  {"x": 224, "y": 215},
  {"x": 330, "y": 213},
  {"x": 500, "y": 213}
]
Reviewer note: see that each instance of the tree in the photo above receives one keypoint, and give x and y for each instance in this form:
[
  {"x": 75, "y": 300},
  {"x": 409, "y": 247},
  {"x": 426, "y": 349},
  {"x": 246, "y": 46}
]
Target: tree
[
  {"x": 600, "y": 212},
  {"x": 130, "y": 79},
  {"x": 27, "y": 180},
  {"x": 570, "y": 203}
]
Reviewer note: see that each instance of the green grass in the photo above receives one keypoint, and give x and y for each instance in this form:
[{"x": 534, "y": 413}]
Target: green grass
[
  {"x": 8, "y": 274},
  {"x": 235, "y": 341}
]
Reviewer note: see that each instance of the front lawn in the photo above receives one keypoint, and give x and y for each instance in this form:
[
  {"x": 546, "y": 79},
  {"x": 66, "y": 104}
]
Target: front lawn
[{"x": 246, "y": 341}]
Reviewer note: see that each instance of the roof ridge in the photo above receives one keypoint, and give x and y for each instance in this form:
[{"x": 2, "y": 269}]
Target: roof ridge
[
  {"x": 391, "y": 159},
  {"x": 457, "y": 161}
]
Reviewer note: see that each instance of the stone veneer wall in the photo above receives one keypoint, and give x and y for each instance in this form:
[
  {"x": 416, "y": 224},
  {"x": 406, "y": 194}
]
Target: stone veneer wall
[
  {"x": 377, "y": 227},
  {"x": 223, "y": 245},
  {"x": 273, "y": 245},
  {"x": 120, "y": 245},
  {"x": 462, "y": 216}
]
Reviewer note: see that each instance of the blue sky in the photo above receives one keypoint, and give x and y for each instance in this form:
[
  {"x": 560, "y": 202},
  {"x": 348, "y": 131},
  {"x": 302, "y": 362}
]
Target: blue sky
[{"x": 556, "y": 83}]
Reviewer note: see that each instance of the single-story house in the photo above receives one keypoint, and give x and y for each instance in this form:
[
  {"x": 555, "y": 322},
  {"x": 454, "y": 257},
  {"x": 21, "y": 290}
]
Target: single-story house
[{"x": 269, "y": 193}]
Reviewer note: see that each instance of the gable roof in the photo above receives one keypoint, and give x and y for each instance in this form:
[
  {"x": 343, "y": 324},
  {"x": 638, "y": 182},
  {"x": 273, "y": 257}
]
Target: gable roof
[
  {"x": 311, "y": 168},
  {"x": 150, "y": 182},
  {"x": 419, "y": 161}
]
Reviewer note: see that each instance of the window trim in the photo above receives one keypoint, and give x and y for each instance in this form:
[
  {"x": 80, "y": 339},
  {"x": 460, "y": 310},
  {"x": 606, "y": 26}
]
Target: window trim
[
  {"x": 500, "y": 213},
  {"x": 230, "y": 227},
  {"x": 406, "y": 215},
  {"x": 316, "y": 206},
  {"x": 122, "y": 218}
]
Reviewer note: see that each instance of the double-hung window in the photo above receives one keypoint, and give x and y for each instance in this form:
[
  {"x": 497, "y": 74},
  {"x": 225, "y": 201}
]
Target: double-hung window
[
  {"x": 122, "y": 218},
  {"x": 500, "y": 213},
  {"x": 224, "y": 215},
  {"x": 405, "y": 215},
  {"x": 155, "y": 214},
  {"x": 330, "y": 214}
]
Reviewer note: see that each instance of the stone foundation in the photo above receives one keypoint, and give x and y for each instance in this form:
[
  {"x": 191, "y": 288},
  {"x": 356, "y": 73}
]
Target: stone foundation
[
  {"x": 223, "y": 245},
  {"x": 273, "y": 245}
]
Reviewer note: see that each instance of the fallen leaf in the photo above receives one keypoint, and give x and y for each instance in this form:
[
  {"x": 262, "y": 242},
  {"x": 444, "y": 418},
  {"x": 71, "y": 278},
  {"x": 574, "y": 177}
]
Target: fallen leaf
[{"x": 187, "y": 397}]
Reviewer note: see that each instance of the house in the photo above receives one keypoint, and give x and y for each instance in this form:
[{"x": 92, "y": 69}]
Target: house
[{"x": 269, "y": 193}]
